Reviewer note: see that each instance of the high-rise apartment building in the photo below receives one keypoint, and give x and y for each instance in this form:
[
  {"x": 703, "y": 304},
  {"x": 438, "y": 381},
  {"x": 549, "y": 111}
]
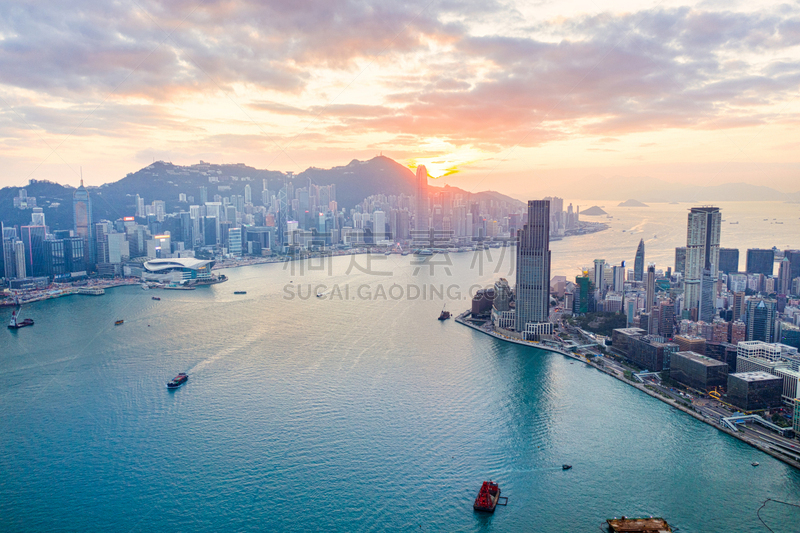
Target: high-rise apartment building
[
  {"x": 599, "y": 275},
  {"x": 533, "y": 271},
  {"x": 702, "y": 251},
  {"x": 638, "y": 263}
]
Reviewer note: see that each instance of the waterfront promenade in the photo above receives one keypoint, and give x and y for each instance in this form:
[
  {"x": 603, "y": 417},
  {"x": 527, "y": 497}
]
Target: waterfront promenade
[{"x": 777, "y": 447}]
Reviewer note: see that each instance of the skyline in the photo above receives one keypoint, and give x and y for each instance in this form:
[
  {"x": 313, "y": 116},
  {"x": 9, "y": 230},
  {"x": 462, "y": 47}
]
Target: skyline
[{"x": 528, "y": 94}]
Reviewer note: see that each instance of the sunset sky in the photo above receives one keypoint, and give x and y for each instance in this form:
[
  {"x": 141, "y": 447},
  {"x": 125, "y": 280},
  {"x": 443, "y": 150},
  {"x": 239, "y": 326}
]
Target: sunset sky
[{"x": 519, "y": 97}]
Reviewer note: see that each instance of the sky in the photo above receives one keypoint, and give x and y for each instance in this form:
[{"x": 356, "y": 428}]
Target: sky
[{"x": 521, "y": 97}]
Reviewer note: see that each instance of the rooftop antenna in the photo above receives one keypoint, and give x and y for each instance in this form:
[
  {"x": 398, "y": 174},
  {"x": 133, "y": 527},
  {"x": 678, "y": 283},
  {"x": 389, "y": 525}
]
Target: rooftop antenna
[{"x": 81, "y": 176}]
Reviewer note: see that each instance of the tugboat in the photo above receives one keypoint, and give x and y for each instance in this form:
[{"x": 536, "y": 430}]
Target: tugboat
[
  {"x": 487, "y": 497},
  {"x": 16, "y": 324},
  {"x": 177, "y": 381},
  {"x": 445, "y": 314}
]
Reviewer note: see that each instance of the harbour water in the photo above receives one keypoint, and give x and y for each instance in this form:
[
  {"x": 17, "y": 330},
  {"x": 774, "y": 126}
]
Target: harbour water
[{"x": 355, "y": 411}]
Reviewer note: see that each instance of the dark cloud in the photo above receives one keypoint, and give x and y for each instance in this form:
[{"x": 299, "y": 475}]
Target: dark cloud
[{"x": 604, "y": 75}]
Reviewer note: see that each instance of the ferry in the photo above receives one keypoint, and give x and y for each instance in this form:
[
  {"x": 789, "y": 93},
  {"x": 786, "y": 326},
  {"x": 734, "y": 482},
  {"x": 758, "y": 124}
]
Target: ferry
[
  {"x": 486, "y": 500},
  {"x": 16, "y": 324},
  {"x": 177, "y": 381}
]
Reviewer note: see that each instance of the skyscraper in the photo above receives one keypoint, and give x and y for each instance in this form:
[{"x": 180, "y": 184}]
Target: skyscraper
[
  {"x": 638, "y": 264},
  {"x": 599, "y": 275},
  {"x": 706, "y": 307},
  {"x": 760, "y": 261},
  {"x": 702, "y": 251},
  {"x": 422, "y": 215},
  {"x": 533, "y": 270},
  {"x": 619, "y": 278},
  {"x": 728, "y": 260},
  {"x": 82, "y": 216},
  {"x": 785, "y": 277},
  {"x": 650, "y": 294},
  {"x": 760, "y": 320},
  {"x": 680, "y": 259}
]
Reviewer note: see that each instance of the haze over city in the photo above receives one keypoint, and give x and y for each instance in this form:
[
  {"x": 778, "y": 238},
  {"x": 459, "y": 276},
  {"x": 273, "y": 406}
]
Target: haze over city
[{"x": 509, "y": 94}]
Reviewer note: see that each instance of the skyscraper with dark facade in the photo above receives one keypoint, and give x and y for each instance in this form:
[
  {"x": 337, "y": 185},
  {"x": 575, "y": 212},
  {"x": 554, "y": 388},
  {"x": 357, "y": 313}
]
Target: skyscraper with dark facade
[
  {"x": 33, "y": 237},
  {"x": 533, "y": 267},
  {"x": 702, "y": 251},
  {"x": 680, "y": 259},
  {"x": 760, "y": 261},
  {"x": 82, "y": 217},
  {"x": 638, "y": 263},
  {"x": 728, "y": 260},
  {"x": 760, "y": 320}
]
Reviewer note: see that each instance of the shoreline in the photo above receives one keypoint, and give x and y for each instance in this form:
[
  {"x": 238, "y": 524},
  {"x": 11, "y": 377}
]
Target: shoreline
[{"x": 761, "y": 446}]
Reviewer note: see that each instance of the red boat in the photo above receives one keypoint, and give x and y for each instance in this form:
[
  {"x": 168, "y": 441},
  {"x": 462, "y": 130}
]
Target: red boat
[
  {"x": 487, "y": 497},
  {"x": 177, "y": 381},
  {"x": 16, "y": 323}
]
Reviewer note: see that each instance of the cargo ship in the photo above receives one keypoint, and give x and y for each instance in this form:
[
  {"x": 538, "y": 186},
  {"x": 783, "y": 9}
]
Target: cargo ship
[
  {"x": 177, "y": 381},
  {"x": 16, "y": 324},
  {"x": 487, "y": 497}
]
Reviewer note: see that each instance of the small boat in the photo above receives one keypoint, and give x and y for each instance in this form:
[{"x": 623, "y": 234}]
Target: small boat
[
  {"x": 239, "y": 292},
  {"x": 387, "y": 253},
  {"x": 177, "y": 381},
  {"x": 754, "y": 463},
  {"x": 566, "y": 467},
  {"x": 118, "y": 322},
  {"x": 145, "y": 286},
  {"x": 16, "y": 324},
  {"x": 156, "y": 298},
  {"x": 404, "y": 253},
  {"x": 486, "y": 500},
  {"x": 444, "y": 315}
]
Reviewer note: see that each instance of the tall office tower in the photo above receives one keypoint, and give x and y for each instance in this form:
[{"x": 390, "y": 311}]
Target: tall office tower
[
  {"x": 728, "y": 260},
  {"x": 82, "y": 217},
  {"x": 702, "y": 251},
  {"x": 35, "y": 252},
  {"x": 140, "y": 212},
  {"x": 638, "y": 263},
  {"x": 738, "y": 306},
  {"x": 760, "y": 261},
  {"x": 619, "y": 278},
  {"x": 666, "y": 317},
  {"x": 599, "y": 275},
  {"x": 680, "y": 259},
  {"x": 785, "y": 277},
  {"x": 248, "y": 194},
  {"x": 378, "y": 226},
  {"x": 760, "y": 319},
  {"x": 533, "y": 268},
  {"x": 422, "y": 215},
  {"x": 19, "y": 257},
  {"x": 203, "y": 195},
  {"x": 706, "y": 307},
  {"x": 650, "y": 293}
]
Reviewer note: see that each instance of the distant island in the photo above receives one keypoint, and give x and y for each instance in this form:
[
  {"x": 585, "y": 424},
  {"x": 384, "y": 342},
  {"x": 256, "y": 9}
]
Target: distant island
[
  {"x": 632, "y": 203},
  {"x": 593, "y": 211}
]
